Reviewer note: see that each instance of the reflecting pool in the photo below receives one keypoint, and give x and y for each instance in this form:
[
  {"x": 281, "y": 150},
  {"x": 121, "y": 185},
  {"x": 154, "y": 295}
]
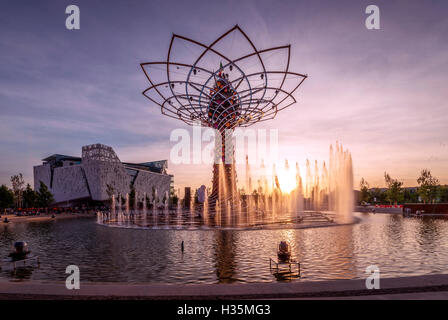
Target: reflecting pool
[{"x": 399, "y": 246}]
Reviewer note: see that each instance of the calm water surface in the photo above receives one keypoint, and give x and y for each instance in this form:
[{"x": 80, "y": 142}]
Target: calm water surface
[{"x": 399, "y": 246}]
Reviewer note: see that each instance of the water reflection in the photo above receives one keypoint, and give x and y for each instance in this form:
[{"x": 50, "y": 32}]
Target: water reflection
[
  {"x": 329, "y": 254},
  {"x": 21, "y": 272},
  {"x": 399, "y": 246},
  {"x": 428, "y": 238},
  {"x": 225, "y": 252}
]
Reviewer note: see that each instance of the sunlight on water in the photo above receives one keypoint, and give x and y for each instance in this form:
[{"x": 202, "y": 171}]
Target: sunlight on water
[
  {"x": 397, "y": 245},
  {"x": 270, "y": 197}
]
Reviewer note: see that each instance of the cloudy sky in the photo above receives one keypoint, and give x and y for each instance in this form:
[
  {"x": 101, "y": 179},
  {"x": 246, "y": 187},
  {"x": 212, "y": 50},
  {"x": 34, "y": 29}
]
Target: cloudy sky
[{"x": 381, "y": 93}]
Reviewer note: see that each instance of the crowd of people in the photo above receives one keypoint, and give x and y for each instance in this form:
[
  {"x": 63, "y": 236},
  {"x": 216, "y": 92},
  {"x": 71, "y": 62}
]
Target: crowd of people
[{"x": 20, "y": 212}]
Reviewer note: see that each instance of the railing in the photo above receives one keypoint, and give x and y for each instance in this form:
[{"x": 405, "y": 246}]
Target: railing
[
  {"x": 14, "y": 263},
  {"x": 285, "y": 269}
]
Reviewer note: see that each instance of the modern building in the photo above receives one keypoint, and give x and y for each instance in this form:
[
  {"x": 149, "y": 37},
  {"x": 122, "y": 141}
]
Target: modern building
[{"x": 98, "y": 173}]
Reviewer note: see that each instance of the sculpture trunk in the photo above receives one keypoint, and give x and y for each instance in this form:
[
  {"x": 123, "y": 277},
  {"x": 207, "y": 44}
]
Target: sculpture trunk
[{"x": 224, "y": 173}]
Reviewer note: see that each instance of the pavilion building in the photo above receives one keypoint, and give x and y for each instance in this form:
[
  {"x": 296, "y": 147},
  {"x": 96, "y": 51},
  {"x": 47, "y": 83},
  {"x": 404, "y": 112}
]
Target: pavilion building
[{"x": 98, "y": 173}]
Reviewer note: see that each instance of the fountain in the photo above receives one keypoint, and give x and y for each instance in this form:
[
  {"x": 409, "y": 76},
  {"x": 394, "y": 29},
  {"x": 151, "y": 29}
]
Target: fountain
[
  {"x": 216, "y": 100},
  {"x": 179, "y": 208},
  {"x": 112, "y": 206},
  {"x": 218, "y": 213},
  {"x": 135, "y": 203},
  {"x": 165, "y": 207},
  {"x": 145, "y": 214},
  {"x": 192, "y": 209},
  {"x": 120, "y": 211},
  {"x": 205, "y": 208},
  {"x": 325, "y": 192},
  {"x": 99, "y": 217},
  {"x": 127, "y": 205}
]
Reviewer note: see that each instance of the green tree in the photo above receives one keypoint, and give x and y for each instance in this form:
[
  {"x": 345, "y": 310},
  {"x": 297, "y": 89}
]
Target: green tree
[
  {"x": 44, "y": 196},
  {"x": 410, "y": 196},
  {"x": 6, "y": 197},
  {"x": 428, "y": 186},
  {"x": 394, "y": 193},
  {"x": 443, "y": 194},
  {"x": 377, "y": 195},
  {"x": 17, "y": 183},
  {"x": 365, "y": 193},
  {"x": 29, "y": 197}
]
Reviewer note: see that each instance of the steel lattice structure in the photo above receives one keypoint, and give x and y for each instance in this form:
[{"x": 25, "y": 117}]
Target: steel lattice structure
[{"x": 240, "y": 92}]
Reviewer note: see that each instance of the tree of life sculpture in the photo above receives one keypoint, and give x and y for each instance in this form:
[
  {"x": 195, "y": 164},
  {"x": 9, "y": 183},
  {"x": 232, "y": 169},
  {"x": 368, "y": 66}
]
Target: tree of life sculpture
[{"x": 224, "y": 85}]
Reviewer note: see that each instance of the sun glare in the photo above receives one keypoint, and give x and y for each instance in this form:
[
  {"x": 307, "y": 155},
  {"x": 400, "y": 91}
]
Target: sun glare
[{"x": 287, "y": 180}]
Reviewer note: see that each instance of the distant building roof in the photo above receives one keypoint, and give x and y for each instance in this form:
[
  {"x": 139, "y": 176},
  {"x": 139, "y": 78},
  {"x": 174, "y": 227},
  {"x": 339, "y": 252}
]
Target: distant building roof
[
  {"x": 385, "y": 189},
  {"x": 159, "y": 166},
  {"x": 153, "y": 166},
  {"x": 59, "y": 157}
]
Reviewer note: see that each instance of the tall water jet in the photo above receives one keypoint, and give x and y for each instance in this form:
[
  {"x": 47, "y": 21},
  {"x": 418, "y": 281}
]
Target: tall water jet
[
  {"x": 179, "y": 206},
  {"x": 229, "y": 213},
  {"x": 218, "y": 213},
  {"x": 99, "y": 217},
  {"x": 127, "y": 205},
  {"x": 316, "y": 188},
  {"x": 192, "y": 209},
  {"x": 309, "y": 186},
  {"x": 238, "y": 213},
  {"x": 155, "y": 211},
  {"x": 135, "y": 202},
  {"x": 145, "y": 214},
  {"x": 275, "y": 192},
  {"x": 156, "y": 197},
  {"x": 248, "y": 177},
  {"x": 341, "y": 195},
  {"x": 179, "y": 209},
  {"x": 299, "y": 192},
  {"x": 266, "y": 202},
  {"x": 332, "y": 187},
  {"x": 155, "y": 218},
  {"x": 120, "y": 210},
  {"x": 165, "y": 208},
  {"x": 205, "y": 208},
  {"x": 165, "y": 205},
  {"x": 112, "y": 206}
]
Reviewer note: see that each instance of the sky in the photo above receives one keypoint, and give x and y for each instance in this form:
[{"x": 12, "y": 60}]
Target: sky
[{"x": 380, "y": 93}]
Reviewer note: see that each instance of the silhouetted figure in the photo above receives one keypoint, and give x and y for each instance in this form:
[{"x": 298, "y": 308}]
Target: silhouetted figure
[
  {"x": 20, "y": 251},
  {"x": 284, "y": 252},
  {"x": 182, "y": 246}
]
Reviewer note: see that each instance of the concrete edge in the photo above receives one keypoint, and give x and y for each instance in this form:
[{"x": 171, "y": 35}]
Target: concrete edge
[{"x": 299, "y": 289}]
